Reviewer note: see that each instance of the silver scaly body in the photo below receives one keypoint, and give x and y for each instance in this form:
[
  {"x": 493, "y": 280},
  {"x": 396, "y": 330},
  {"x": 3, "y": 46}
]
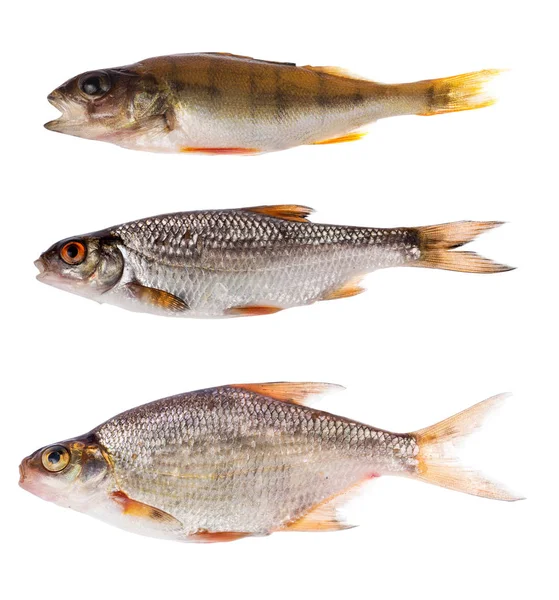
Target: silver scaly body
[
  {"x": 218, "y": 260},
  {"x": 227, "y": 459}
]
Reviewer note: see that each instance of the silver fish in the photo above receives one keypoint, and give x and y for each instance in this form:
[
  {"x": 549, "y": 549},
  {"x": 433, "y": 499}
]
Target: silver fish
[
  {"x": 250, "y": 261},
  {"x": 242, "y": 460}
]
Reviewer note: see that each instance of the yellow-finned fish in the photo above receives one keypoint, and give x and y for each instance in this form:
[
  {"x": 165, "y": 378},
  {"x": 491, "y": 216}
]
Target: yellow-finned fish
[
  {"x": 219, "y": 103},
  {"x": 242, "y": 460},
  {"x": 247, "y": 261}
]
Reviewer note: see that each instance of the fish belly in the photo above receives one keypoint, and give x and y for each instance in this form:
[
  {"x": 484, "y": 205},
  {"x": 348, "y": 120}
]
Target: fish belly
[{"x": 210, "y": 291}]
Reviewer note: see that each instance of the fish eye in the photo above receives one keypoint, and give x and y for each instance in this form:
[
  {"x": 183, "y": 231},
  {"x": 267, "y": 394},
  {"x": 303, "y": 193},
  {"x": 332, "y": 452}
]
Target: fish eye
[
  {"x": 55, "y": 458},
  {"x": 73, "y": 253},
  {"x": 94, "y": 85}
]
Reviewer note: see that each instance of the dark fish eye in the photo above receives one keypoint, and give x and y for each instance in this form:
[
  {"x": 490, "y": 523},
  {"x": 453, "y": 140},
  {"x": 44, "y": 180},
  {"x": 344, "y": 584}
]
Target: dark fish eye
[
  {"x": 95, "y": 85},
  {"x": 73, "y": 253},
  {"x": 55, "y": 458}
]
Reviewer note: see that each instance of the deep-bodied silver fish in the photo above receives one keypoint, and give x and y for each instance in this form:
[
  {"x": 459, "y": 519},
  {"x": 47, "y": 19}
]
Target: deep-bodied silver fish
[
  {"x": 250, "y": 261},
  {"x": 242, "y": 460},
  {"x": 224, "y": 104}
]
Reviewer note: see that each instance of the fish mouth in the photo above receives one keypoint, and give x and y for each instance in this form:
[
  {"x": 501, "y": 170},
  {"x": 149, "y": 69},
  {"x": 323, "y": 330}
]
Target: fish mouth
[
  {"x": 55, "y": 98},
  {"x": 40, "y": 264}
]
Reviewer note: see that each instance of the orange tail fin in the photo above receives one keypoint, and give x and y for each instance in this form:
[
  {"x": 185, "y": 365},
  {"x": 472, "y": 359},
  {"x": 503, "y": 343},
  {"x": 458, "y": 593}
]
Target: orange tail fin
[
  {"x": 461, "y": 92},
  {"x": 436, "y": 244},
  {"x": 438, "y": 463}
]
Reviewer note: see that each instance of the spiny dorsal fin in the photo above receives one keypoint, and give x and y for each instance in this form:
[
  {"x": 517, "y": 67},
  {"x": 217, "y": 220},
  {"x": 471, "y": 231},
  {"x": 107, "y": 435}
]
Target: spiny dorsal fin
[
  {"x": 288, "y": 212},
  {"x": 259, "y": 60},
  {"x": 336, "y": 71},
  {"x": 295, "y": 393}
]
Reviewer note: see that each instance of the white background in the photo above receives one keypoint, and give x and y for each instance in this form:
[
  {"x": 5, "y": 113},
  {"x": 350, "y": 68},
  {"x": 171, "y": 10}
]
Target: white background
[{"x": 419, "y": 346}]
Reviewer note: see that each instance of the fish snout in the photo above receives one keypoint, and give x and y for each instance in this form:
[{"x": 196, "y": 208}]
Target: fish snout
[
  {"x": 22, "y": 471},
  {"x": 55, "y": 98},
  {"x": 40, "y": 264}
]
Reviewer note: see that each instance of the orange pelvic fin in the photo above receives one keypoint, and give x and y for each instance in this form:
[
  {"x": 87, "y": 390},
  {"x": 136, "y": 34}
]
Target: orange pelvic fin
[
  {"x": 436, "y": 244},
  {"x": 212, "y": 537},
  {"x": 348, "y": 289},
  {"x": 349, "y": 137},
  {"x": 438, "y": 464},
  {"x": 287, "y": 212},
  {"x": 220, "y": 150},
  {"x": 157, "y": 298},
  {"x": 295, "y": 393},
  {"x": 252, "y": 311},
  {"x": 133, "y": 508}
]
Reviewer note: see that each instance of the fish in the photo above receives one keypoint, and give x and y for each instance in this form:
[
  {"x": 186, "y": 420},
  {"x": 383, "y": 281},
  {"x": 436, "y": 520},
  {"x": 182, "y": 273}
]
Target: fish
[
  {"x": 219, "y": 103},
  {"x": 242, "y": 460},
  {"x": 246, "y": 262}
]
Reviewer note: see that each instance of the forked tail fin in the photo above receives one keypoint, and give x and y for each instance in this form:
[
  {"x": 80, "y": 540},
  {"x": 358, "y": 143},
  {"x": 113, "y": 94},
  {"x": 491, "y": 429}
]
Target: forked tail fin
[
  {"x": 437, "y": 243},
  {"x": 452, "y": 94},
  {"x": 437, "y": 460}
]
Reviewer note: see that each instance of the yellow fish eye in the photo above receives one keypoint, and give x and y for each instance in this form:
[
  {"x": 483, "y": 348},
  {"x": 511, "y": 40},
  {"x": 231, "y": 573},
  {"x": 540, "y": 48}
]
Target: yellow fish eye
[{"x": 55, "y": 458}]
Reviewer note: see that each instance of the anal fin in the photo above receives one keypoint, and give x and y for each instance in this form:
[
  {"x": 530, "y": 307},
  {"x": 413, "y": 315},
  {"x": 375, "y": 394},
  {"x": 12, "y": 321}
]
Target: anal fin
[
  {"x": 325, "y": 515},
  {"x": 348, "y": 289},
  {"x": 348, "y": 137}
]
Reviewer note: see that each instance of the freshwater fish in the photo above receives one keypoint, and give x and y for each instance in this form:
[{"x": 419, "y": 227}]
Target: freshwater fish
[
  {"x": 218, "y": 103},
  {"x": 242, "y": 460},
  {"x": 248, "y": 261}
]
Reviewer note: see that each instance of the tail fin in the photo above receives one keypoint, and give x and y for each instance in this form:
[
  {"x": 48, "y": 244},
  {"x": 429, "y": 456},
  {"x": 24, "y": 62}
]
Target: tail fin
[
  {"x": 437, "y": 460},
  {"x": 461, "y": 92},
  {"x": 436, "y": 243}
]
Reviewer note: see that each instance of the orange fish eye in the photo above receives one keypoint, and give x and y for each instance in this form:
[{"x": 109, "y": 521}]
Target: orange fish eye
[
  {"x": 73, "y": 253},
  {"x": 55, "y": 458}
]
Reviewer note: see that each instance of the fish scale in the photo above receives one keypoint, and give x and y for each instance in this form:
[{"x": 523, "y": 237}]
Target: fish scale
[
  {"x": 203, "y": 457},
  {"x": 255, "y": 258},
  {"x": 248, "y": 261},
  {"x": 245, "y": 459}
]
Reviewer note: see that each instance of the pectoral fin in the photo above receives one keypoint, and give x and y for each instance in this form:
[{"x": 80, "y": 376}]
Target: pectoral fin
[
  {"x": 157, "y": 298},
  {"x": 152, "y": 517}
]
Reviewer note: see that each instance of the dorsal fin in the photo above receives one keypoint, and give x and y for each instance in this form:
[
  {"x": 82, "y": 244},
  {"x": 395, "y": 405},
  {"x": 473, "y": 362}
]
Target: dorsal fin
[
  {"x": 295, "y": 393},
  {"x": 259, "y": 60},
  {"x": 288, "y": 212},
  {"x": 336, "y": 71}
]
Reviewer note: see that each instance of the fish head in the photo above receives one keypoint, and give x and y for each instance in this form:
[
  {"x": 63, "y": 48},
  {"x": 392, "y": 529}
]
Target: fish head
[
  {"x": 106, "y": 104},
  {"x": 69, "y": 473},
  {"x": 88, "y": 265}
]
